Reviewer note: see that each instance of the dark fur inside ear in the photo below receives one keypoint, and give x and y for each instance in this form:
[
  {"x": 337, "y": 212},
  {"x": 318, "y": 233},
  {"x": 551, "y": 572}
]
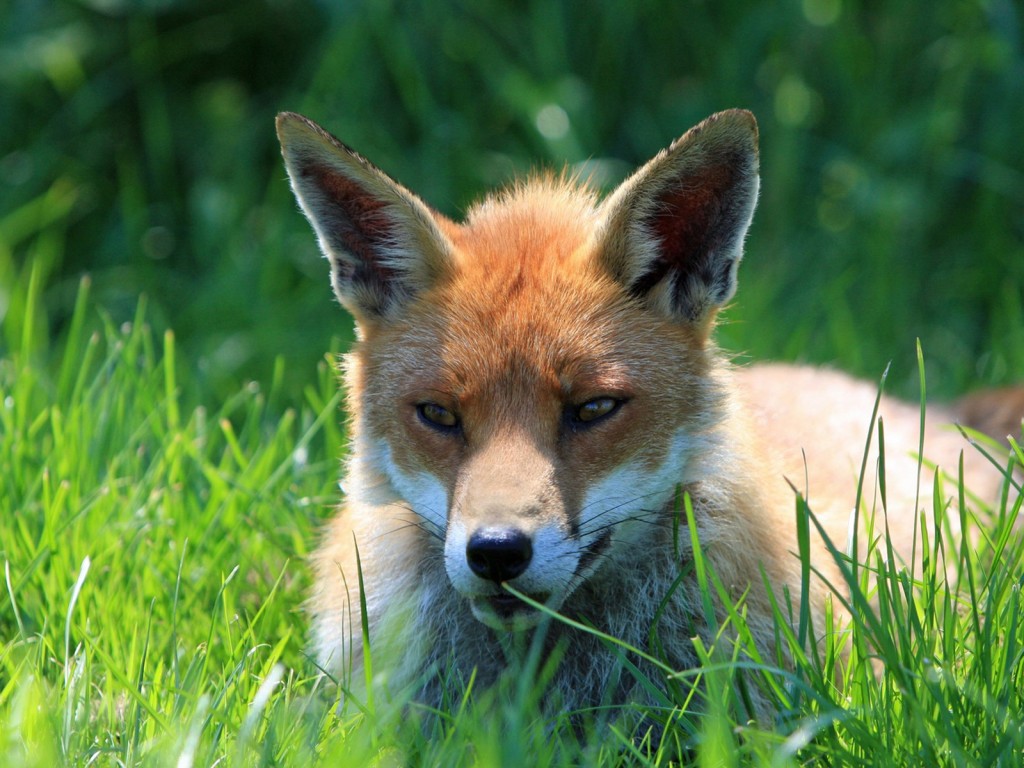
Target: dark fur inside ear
[
  {"x": 383, "y": 242},
  {"x": 676, "y": 228},
  {"x": 693, "y": 222},
  {"x": 357, "y": 225}
]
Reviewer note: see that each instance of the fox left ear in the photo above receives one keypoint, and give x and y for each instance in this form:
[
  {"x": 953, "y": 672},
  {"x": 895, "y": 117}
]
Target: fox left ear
[
  {"x": 674, "y": 230},
  {"x": 384, "y": 244}
]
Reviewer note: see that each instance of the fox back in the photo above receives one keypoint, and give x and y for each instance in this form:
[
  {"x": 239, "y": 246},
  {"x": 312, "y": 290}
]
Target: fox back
[{"x": 532, "y": 391}]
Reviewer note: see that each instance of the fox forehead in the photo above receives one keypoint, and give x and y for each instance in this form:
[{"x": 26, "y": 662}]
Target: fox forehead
[
  {"x": 543, "y": 223},
  {"x": 528, "y": 312}
]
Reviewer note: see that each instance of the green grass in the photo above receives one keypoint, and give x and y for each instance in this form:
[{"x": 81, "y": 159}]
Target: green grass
[
  {"x": 159, "y": 491},
  {"x": 153, "y": 552}
]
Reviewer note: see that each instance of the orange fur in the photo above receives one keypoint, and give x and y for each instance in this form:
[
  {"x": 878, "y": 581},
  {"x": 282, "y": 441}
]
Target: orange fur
[{"x": 529, "y": 390}]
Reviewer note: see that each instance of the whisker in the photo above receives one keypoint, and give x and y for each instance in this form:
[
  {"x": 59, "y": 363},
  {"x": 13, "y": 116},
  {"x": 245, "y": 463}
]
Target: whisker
[
  {"x": 415, "y": 521},
  {"x": 652, "y": 517},
  {"x": 411, "y": 524},
  {"x": 614, "y": 507}
]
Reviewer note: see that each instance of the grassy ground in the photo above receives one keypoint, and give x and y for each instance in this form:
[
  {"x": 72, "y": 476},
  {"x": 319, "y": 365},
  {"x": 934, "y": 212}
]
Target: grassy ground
[
  {"x": 153, "y": 576},
  {"x": 156, "y": 506}
]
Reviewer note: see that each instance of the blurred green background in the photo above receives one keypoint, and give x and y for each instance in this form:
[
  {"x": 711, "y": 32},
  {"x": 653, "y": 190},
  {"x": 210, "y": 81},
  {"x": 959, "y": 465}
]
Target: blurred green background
[{"x": 137, "y": 146}]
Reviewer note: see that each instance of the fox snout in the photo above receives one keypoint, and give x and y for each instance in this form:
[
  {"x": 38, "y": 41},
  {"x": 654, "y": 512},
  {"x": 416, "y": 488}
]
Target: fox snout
[
  {"x": 499, "y": 554},
  {"x": 507, "y": 524},
  {"x": 539, "y": 561}
]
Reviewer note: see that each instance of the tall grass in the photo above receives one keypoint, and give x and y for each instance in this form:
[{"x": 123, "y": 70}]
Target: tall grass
[
  {"x": 152, "y": 551},
  {"x": 153, "y": 554}
]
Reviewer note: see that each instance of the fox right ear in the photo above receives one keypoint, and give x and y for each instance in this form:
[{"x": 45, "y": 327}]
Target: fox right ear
[
  {"x": 384, "y": 244},
  {"x": 674, "y": 231}
]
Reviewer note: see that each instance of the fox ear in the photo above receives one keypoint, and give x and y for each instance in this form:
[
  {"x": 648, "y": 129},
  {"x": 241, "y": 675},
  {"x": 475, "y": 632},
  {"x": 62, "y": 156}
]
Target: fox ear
[
  {"x": 674, "y": 230},
  {"x": 384, "y": 244}
]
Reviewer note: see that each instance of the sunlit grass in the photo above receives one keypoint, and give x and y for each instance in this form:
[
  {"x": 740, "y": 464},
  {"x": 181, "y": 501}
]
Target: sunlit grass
[
  {"x": 152, "y": 549},
  {"x": 153, "y": 574}
]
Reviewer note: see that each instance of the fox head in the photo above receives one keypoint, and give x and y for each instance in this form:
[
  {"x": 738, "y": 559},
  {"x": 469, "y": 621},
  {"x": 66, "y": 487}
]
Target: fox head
[{"x": 536, "y": 381}]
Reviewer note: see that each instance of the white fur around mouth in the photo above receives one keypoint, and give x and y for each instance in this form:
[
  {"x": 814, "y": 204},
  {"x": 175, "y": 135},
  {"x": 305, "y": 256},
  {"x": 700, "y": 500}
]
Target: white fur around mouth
[{"x": 505, "y": 612}]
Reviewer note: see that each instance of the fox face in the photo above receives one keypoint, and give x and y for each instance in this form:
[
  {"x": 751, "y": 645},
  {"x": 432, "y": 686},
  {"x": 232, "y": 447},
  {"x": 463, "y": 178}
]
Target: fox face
[
  {"x": 535, "y": 382},
  {"x": 520, "y": 444}
]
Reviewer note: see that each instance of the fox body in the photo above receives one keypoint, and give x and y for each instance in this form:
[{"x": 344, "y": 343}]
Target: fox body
[{"x": 533, "y": 388}]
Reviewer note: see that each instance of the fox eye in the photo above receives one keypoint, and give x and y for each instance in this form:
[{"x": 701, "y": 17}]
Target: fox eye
[
  {"x": 595, "y": 409},
  {"x": 437, "y": 416}
]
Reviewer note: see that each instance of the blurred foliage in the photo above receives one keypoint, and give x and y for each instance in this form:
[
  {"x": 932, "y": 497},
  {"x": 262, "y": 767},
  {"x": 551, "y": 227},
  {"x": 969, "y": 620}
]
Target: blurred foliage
[{"x": 137, "y": 144}]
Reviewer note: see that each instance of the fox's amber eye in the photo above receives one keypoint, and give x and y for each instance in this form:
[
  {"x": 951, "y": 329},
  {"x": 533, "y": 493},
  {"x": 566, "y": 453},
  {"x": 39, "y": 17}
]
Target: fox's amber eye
[
  {"x": 437, "y": 415},
  {"x": 592, "y": 410}
]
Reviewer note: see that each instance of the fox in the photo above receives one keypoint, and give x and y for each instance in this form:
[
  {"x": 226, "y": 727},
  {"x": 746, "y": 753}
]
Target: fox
[{"x": 532, "y": 391}]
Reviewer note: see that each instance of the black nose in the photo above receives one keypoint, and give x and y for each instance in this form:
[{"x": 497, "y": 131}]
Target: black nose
[{"x": 499, "y": 554}]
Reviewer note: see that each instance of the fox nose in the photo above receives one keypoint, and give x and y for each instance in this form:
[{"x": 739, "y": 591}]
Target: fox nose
[{"x": 499, "y": 554}]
